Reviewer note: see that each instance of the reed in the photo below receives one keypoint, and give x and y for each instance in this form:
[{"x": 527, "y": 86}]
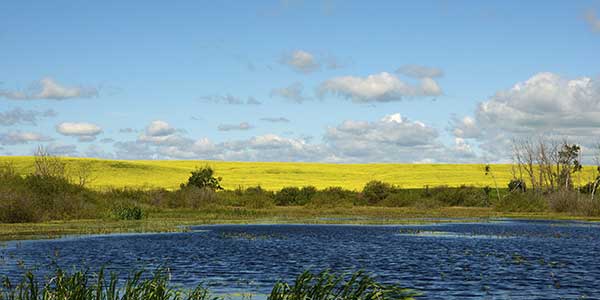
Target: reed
[{"x": 81, "y": 285}]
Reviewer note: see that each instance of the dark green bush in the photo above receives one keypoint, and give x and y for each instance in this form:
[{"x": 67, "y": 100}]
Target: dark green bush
[
  {"x": 521, "y": 202},
  {"x": 402, "y": 198},
  {"x": 333, "y": 197},
  {"x": 17, "y": 208},
  {"x": 375, "y": 191},
  {"x": 460, "y": 196},
  {"x": 287, "y": 196},
  {"x": 295, "y": 196},
  {"x": 203, "y": 178},
  {"x": 128, "y": 213},
  {"x": 517, "y": 185},
  {"x": 252, "y": 197}
]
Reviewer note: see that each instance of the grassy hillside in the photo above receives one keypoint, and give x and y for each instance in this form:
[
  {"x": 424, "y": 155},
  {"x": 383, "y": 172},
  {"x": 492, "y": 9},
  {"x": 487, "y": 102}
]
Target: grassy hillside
[{"x": 275, "y": 175}]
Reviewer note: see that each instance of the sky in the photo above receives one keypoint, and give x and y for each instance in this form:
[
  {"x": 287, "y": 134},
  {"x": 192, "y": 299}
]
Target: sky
[{"x": 292, "y": 80}]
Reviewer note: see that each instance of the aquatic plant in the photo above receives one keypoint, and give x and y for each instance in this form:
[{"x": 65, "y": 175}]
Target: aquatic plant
[
  {"x": 81, "y": 285},
  {"x": 328, "y": 286}
]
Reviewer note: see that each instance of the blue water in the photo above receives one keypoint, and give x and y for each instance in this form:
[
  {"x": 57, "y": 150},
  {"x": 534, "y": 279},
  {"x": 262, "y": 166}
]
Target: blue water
[{"x": 503, "y": 259}]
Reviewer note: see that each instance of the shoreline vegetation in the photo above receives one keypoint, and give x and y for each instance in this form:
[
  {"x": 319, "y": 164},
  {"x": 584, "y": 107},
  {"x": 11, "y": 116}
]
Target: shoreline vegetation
[
  {"x": 85, "y": 285},
  {"x": 57, "y": 197}
]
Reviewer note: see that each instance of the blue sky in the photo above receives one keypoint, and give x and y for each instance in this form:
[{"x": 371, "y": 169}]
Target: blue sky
[{"x": 346, "y": 81}]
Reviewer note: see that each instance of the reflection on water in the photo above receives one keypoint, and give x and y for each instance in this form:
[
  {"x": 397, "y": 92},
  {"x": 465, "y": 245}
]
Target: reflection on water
[{"x": 504, "y": 259}]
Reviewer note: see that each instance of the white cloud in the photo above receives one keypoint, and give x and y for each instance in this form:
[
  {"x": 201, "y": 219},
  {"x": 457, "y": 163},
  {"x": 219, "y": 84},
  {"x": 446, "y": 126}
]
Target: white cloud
[
  {"x": 465, "y": 128},
  {"x": 159, "y": 132},
  {"x": 25, "y": 117},
  {"x": 382, "y": 87},
  {"x": 159, "y": 128},
  {"x": 19, "y": 137},
  {"x": 85, "y": 132},
  {"x": 545, "y": 104},
  {"x": 47, "y": 88},
  {"x": 418, "y": 71},
  {"x": 230, "y": 127},
  {"x": 293, "y": 92},
  {"x": 592, "y": 20},
  {"x": 301, "y": 61},
  {"x": 393, "y": 138}
]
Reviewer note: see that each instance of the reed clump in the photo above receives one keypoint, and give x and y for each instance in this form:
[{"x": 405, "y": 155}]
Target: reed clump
[{"x": 82, "y": 285}]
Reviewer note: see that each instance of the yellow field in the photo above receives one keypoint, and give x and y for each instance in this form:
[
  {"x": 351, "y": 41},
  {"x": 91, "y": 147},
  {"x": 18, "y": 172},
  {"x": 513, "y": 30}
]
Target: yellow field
[{"x": 275, "y": 175}]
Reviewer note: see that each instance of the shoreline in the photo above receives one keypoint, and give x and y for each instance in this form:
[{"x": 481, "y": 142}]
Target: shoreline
[{"x": 180, "y": 220}]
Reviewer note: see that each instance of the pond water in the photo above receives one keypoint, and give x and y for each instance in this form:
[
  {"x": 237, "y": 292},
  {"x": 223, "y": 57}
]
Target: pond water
[{"x": 502, "y": 259}]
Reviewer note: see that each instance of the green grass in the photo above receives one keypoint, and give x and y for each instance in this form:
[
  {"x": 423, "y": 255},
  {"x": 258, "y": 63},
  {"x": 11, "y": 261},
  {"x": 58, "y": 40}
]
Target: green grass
[{"x": 276, "y": 175}]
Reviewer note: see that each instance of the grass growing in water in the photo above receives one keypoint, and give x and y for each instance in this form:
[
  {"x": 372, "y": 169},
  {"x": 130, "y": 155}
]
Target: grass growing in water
[
  {"x": 326, "y": 286},
  {"x": 82, "y": 286}
]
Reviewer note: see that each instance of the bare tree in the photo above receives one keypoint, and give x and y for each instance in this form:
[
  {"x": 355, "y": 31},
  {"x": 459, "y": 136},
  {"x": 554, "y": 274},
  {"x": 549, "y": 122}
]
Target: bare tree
[
  {"x": 81, "y": 173},
  {"x": 47, "y": 165}
]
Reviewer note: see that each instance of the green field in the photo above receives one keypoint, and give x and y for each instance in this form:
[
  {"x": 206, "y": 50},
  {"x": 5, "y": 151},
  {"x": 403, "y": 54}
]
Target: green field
[{"x": 275, "y": 175}]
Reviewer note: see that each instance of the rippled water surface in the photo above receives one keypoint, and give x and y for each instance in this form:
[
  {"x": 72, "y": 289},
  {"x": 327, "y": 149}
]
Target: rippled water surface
[{"x": 495, "y": 260}]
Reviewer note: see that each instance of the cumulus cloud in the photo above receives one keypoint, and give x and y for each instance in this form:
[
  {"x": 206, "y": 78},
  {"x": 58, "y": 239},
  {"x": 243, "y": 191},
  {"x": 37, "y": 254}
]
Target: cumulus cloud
[
  {"x": 276, "y": 120},
  {"x": 389, "y": 136},
  {"x": 301, "y": 61},
  {"x": 85, "y": 132},
  {"x": 545, "y": 104},
  {"x": 162, "y": 133},
  {"x": 48, "y": 88},
  {"x": 465, "y": 127},
  {"x": 418, "y": 71},
  {"x": 592, "y": 20},
  {"x": 393, "y": 138},
  {"x": 159, "y": 128},
  {"x": 20, "y": 137},
  {"x": 19, "y": 116},
  {"x": 382, "y": 87},
  {"x": 231, "y": 100},
  {"x": 230, "y": 127},
  {"x": 294, "y": 92}
]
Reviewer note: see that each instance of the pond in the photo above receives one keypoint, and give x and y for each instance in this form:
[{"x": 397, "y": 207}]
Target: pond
[{"x": 501, "y": 259}]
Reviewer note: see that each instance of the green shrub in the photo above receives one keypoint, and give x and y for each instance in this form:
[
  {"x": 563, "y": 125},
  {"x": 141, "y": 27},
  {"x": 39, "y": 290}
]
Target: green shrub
[
  {"x": 401, "y": 199},
  {"x": 294, "y": 196},
  {"x": 521, "y": 202},
  {"x": 287, "y": 196},
  {"x": 128, "y": 213},
  {"x": 203, "y": 178},
  {"x": 375, "y": 191},
  {"x": 17, "y": 208},
  {"x": 257, "y": 198},
  {"x": 333, "y": 197},
  {"x": 460, "y": 196}
]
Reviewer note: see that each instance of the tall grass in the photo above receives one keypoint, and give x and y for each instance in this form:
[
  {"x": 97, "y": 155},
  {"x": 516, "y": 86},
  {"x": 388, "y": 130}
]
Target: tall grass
[
  {"x": 328, "y": 286},
  {"x": 85, "y": 286}
]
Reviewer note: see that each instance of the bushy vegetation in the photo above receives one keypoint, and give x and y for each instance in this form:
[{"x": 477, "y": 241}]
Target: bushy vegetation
[
  {"x": 82, "y": 285},
  {"x": 52, "y": 192}
]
